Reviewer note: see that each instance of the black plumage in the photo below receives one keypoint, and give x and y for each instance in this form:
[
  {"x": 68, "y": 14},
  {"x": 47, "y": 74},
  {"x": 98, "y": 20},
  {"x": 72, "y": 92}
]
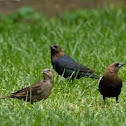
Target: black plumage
[
  {"x": 110, "y": 84},
  {"x": 67, "y": 67}
]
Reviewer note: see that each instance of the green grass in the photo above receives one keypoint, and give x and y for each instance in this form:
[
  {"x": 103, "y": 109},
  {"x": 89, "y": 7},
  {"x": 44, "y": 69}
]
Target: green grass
[{"x": 95, "y": 38}]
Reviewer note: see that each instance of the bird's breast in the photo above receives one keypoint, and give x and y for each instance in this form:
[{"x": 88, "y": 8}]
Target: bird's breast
[{"x": 113, "y": 81}]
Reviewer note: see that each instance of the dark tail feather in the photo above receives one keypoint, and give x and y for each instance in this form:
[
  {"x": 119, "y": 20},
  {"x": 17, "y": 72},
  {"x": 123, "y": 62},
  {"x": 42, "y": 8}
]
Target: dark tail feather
[
  {"x": 91, "y": 75},
  {"x": 94, "y": 76},
  {"x": 5, "y": 97}
]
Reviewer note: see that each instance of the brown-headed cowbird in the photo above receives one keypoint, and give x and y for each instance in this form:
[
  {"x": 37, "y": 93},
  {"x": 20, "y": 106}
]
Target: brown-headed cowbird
[
  {"x": 38, "y": 91},
  {"x": 67, "y": 67},
  {"x": 110, "y": 84}
]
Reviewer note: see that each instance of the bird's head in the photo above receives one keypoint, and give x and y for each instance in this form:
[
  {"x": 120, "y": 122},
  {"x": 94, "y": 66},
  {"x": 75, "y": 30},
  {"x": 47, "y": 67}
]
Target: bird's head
[
  {"x": 47, "y": 74},
  {"x": 56, "y": 50},
  {"x": 115, "y": 67}
]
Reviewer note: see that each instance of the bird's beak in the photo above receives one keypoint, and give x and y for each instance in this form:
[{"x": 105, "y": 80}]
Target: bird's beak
[
  {"x": 121, "y": 64},
  {"x": 52, "y": 47},
  {"x": 43, "y": 72}
]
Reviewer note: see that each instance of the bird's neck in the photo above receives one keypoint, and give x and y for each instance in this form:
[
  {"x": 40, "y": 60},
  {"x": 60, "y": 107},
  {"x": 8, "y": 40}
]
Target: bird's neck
[
  {"x": 51, "y": 80},
  {"x": 111, "y": 74},
  {"x": 56, "y": 56}
]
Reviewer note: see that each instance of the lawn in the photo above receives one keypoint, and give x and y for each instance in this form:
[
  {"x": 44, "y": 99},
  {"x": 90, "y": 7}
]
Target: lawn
[{"x": 94, "y": 38}]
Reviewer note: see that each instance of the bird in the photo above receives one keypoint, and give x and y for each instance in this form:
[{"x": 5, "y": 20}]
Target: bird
[
  {"x": 110, "y": 84},
  {"x": 67, "y": 67},
  {"x": 38, "y": 91}
]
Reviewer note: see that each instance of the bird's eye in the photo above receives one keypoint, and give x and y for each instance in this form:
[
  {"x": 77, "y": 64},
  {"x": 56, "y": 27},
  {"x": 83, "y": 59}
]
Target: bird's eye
[
  {"x": 48, "y": 70},
  {"x": 117, "y": 64}
]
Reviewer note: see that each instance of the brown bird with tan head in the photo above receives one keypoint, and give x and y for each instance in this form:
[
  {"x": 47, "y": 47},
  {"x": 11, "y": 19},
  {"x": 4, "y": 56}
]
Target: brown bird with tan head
[
  {"x": 38, "y": 91},
  {"x": 110, "y": 84},
  {"x": 67, "y": 67}
]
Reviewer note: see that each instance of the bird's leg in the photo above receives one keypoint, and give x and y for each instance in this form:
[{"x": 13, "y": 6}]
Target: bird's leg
[
  {"x": 116, "y": 98},
  {"x": 104, "y": 98},
  {"x": 31, "y": 102},
  {"x": 70, "y": 80}
]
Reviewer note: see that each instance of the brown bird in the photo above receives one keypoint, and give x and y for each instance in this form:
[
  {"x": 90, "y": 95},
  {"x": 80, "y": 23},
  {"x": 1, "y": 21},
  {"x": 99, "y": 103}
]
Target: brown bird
[
  {"x": 110, "y": 84},
  {"x": 67, "y": 67},
  {"x": 38, "y": 91}
]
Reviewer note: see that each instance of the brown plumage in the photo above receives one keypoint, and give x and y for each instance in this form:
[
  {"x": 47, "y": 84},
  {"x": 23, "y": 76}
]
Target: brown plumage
[
  {"x": 38, "y": 91},
  {"x": 67, "y": 67},
  {"x": 110, "y": 84}
]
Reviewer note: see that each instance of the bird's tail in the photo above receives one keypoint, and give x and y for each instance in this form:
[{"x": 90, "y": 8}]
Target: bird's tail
[
  {"x": 94, "y": 76},
  {"x": 5, "y": 97}
]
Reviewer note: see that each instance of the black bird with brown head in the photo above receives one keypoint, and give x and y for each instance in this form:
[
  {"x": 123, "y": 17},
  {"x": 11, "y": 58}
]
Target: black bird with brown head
[
  {"x": 67, "y": 67},
  {"x": 110, "y": 84}
]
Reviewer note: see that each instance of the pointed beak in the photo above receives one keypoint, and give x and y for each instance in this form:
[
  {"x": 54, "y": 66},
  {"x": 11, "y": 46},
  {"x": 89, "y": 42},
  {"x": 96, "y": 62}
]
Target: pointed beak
[
  {"x": 52, "y": 47},
  {"x": 43, "y": 72},
  {"x": 121, "y": 64}
]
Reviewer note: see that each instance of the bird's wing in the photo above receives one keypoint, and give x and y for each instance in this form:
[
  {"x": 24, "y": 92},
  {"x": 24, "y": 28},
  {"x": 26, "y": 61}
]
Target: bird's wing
[
  {"x": 34, "y": 89},
  {"x": 68, "y": 63},
  {"x": 101, "y": 82},
  {"x": 120, "y": 83}
]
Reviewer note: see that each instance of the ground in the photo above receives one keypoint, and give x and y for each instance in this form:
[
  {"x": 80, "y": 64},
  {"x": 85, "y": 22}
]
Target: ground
[{"x": 56, "y": 7}]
